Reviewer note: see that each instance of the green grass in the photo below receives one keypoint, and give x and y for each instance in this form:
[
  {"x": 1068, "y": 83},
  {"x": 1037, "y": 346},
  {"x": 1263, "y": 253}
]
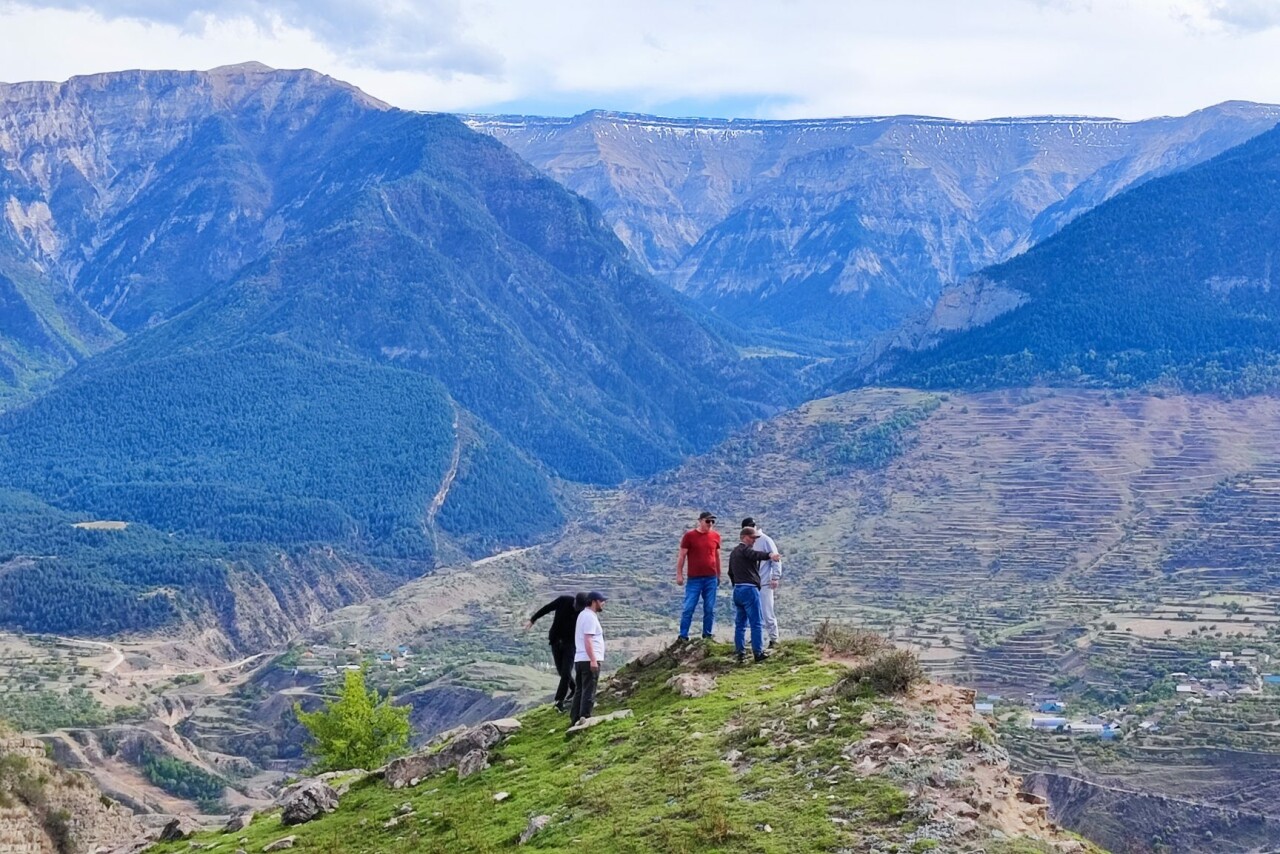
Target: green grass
[{"x": 657, "y": 781}]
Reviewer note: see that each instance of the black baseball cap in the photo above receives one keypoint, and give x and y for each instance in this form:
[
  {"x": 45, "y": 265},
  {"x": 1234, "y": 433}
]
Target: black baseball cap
[
  {"x": 706, "y": 514},
  {"x": 748, "y": 522},
  {"x": 596, "y": 596}
]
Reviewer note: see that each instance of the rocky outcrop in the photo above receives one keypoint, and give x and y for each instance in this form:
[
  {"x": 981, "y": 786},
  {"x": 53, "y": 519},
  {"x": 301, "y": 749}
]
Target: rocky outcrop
[
  {"x": 1126, "y": 821},
  {"x": 467, "y": 750},
  {"x": 48, "y": 806}
]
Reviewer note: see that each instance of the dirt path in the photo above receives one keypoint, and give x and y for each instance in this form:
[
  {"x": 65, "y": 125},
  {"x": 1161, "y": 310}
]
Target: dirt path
[
  {"x": 500, "y": 555},
  {"x": 115, "y": 662},
  {"x": 445, "y": 485}
]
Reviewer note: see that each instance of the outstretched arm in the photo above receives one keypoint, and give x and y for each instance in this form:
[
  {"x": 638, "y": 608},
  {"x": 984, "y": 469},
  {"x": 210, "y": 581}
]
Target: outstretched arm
[{"x": 540, "y": 613}]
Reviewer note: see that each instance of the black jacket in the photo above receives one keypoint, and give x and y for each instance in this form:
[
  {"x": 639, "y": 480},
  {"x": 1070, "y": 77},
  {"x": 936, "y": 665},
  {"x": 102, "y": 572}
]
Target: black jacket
[
  {"x": 566, "y": 618},
  {"x": 744, "y": 564}
]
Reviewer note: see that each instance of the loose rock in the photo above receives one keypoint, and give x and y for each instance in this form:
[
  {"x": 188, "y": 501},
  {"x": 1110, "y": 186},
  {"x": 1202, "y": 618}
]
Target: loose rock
[
  {"x": 179, "y": 828},
  {"x": 587, "y": 723},
  {"x": 280, "y": 844},
  {"x": 307, "y": 801},
  {"x": 692, "y": 685},
  {"x": 536, "y": 824}
]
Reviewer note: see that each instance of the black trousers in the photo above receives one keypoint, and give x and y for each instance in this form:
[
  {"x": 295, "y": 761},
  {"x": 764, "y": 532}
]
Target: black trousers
[
  {"x": 584, "y": 701},
  {"x": 562, "y": 654}
]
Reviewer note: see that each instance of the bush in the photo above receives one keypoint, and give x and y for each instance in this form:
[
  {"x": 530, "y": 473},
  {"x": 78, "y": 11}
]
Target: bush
[
  {"x": 892, "y": 672},
  {"x": 357, "y": 730},
  {"x": 847, "y": 640}
]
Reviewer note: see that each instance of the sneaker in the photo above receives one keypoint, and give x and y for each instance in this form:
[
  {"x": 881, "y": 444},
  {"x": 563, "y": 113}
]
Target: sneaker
[
  {"x": 709, "y": 638},
  {"x": 761, "y": 656},
  {"x": 773, "y": 643},
  {"x": 742, "y": 657},
  {"x": 560, "y": 708},
  {"x": 681, "y": 640}
]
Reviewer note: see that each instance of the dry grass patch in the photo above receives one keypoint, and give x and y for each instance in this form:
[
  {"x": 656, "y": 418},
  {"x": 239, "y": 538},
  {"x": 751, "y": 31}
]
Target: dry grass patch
[
  {"x": 892, "y": 672},
  {"x": 847, "y": 641}
]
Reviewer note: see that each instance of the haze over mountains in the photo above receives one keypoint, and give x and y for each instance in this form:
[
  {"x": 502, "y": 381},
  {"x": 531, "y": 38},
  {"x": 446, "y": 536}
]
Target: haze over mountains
[{"x": 842, "y": 228}]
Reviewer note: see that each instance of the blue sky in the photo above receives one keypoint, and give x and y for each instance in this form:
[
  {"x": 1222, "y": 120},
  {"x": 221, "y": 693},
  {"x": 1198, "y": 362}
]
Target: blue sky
[{"x": 782, "y": 59}]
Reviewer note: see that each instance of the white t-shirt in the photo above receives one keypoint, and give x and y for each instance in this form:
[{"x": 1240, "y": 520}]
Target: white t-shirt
[{"x": 588, "y": 624}]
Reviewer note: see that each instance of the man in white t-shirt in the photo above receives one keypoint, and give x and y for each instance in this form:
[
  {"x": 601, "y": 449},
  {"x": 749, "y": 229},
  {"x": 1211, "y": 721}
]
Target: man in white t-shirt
[{"x": 588, "y": 638}]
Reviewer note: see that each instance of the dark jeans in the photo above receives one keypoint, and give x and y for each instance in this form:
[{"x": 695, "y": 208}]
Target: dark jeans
[
  {"x": 562, "y": 654},
  {"x": 746, "y": 603},
  {"x": 584, "y": 699}
]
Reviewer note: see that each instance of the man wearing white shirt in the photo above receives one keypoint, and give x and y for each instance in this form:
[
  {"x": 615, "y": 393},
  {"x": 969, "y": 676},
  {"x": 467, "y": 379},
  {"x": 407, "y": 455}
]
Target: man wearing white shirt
[
  {"x": 588, "y": 637},
  {"x": 770, "y": 578}
]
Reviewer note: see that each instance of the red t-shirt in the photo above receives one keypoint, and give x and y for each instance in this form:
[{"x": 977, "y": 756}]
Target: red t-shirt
[{"x": 702, "y": 550}]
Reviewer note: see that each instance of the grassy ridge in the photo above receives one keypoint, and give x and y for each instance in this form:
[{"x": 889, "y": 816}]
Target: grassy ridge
[{"x": 745, "y": 768}]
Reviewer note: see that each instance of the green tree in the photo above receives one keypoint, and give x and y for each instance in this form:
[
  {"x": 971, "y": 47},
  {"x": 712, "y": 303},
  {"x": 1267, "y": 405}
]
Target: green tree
[{"x": 357, "y": 730}]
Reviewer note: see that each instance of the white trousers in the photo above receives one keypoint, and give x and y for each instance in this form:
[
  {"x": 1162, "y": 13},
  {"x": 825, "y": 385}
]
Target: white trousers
[{"x": 767, "y": 616}]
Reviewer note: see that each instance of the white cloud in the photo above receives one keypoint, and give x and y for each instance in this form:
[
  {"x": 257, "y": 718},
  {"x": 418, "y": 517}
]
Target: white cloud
[
  {"x": 783, "y": 58},
  {"x": 1246, "y": 15}
]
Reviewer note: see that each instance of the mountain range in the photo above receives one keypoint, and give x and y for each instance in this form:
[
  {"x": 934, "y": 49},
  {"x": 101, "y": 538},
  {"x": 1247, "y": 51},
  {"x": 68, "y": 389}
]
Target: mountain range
[
  {"x": 840, "y": 229},
  {"x": 258, "y": 306},
  {"x": 1170, "y": 283}
]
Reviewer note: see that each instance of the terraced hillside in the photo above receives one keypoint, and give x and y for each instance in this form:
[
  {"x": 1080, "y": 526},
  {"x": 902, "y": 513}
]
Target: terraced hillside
[{"x": 1029, "y": 543}]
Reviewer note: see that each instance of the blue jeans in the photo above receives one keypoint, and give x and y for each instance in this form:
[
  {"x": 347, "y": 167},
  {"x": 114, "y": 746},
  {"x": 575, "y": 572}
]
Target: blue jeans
[
  {"x": 746, "y": 602},
  {"x": 704, "y": 588}
]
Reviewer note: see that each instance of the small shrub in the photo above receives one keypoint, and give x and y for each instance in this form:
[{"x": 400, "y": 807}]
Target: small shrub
[
  {"x": 892, "y": 672},
  {"x": 848, "y": 640}
]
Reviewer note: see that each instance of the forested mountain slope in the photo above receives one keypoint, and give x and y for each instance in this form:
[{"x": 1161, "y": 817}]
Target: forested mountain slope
[
  {"x": 347, "y": 324},
  {"x": 1171, "y": 281},
  {"x": 840, "y": 228}
]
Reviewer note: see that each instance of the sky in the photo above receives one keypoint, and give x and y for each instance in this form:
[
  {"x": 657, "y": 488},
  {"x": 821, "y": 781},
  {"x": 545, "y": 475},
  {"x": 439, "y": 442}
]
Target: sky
[{"x": 964, "y": 59}]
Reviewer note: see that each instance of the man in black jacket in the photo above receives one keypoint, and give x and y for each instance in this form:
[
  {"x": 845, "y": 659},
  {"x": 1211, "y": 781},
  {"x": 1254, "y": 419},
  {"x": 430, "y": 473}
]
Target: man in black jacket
[
  {"x": 744, "y": 572},
  {"x": 566, "y": 610}
]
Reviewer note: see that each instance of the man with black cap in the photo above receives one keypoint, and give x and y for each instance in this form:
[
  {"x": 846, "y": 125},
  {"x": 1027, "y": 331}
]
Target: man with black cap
[
  {"x": 588, "y": 638},
  {"x": 744, "y": 572},
  {"x": 560, "y": 637},
  {"x": 770, "y": 578},
  {"x": 700, "y": 551}
]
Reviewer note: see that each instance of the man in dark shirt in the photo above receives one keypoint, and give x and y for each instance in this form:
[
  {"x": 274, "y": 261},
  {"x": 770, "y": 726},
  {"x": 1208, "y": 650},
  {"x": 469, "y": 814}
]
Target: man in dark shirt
[
  {"x": 566, "y": 610},
  {"x": 744, "y": 573}
]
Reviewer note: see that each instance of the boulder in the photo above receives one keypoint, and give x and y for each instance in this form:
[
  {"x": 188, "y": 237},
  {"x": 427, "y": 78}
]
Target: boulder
[
  {"x": 692, "y": 685},
  {"x": 400, "y": 772},
  {"x": 180, "y": 828},
  {"x": 587, "y": 723},
  {"x": 239, "y": 822},
  {"x": 280, "y": 844},
  {"x": 505, "y": 726},
  {"x": 535, "y": 825},
  {"x": 306, "y": 801},
  {"x": 473, "y": 763}
]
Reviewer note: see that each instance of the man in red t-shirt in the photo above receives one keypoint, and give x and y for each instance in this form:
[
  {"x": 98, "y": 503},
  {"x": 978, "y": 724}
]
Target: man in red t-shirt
[{"x": 700, "y": 551}]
